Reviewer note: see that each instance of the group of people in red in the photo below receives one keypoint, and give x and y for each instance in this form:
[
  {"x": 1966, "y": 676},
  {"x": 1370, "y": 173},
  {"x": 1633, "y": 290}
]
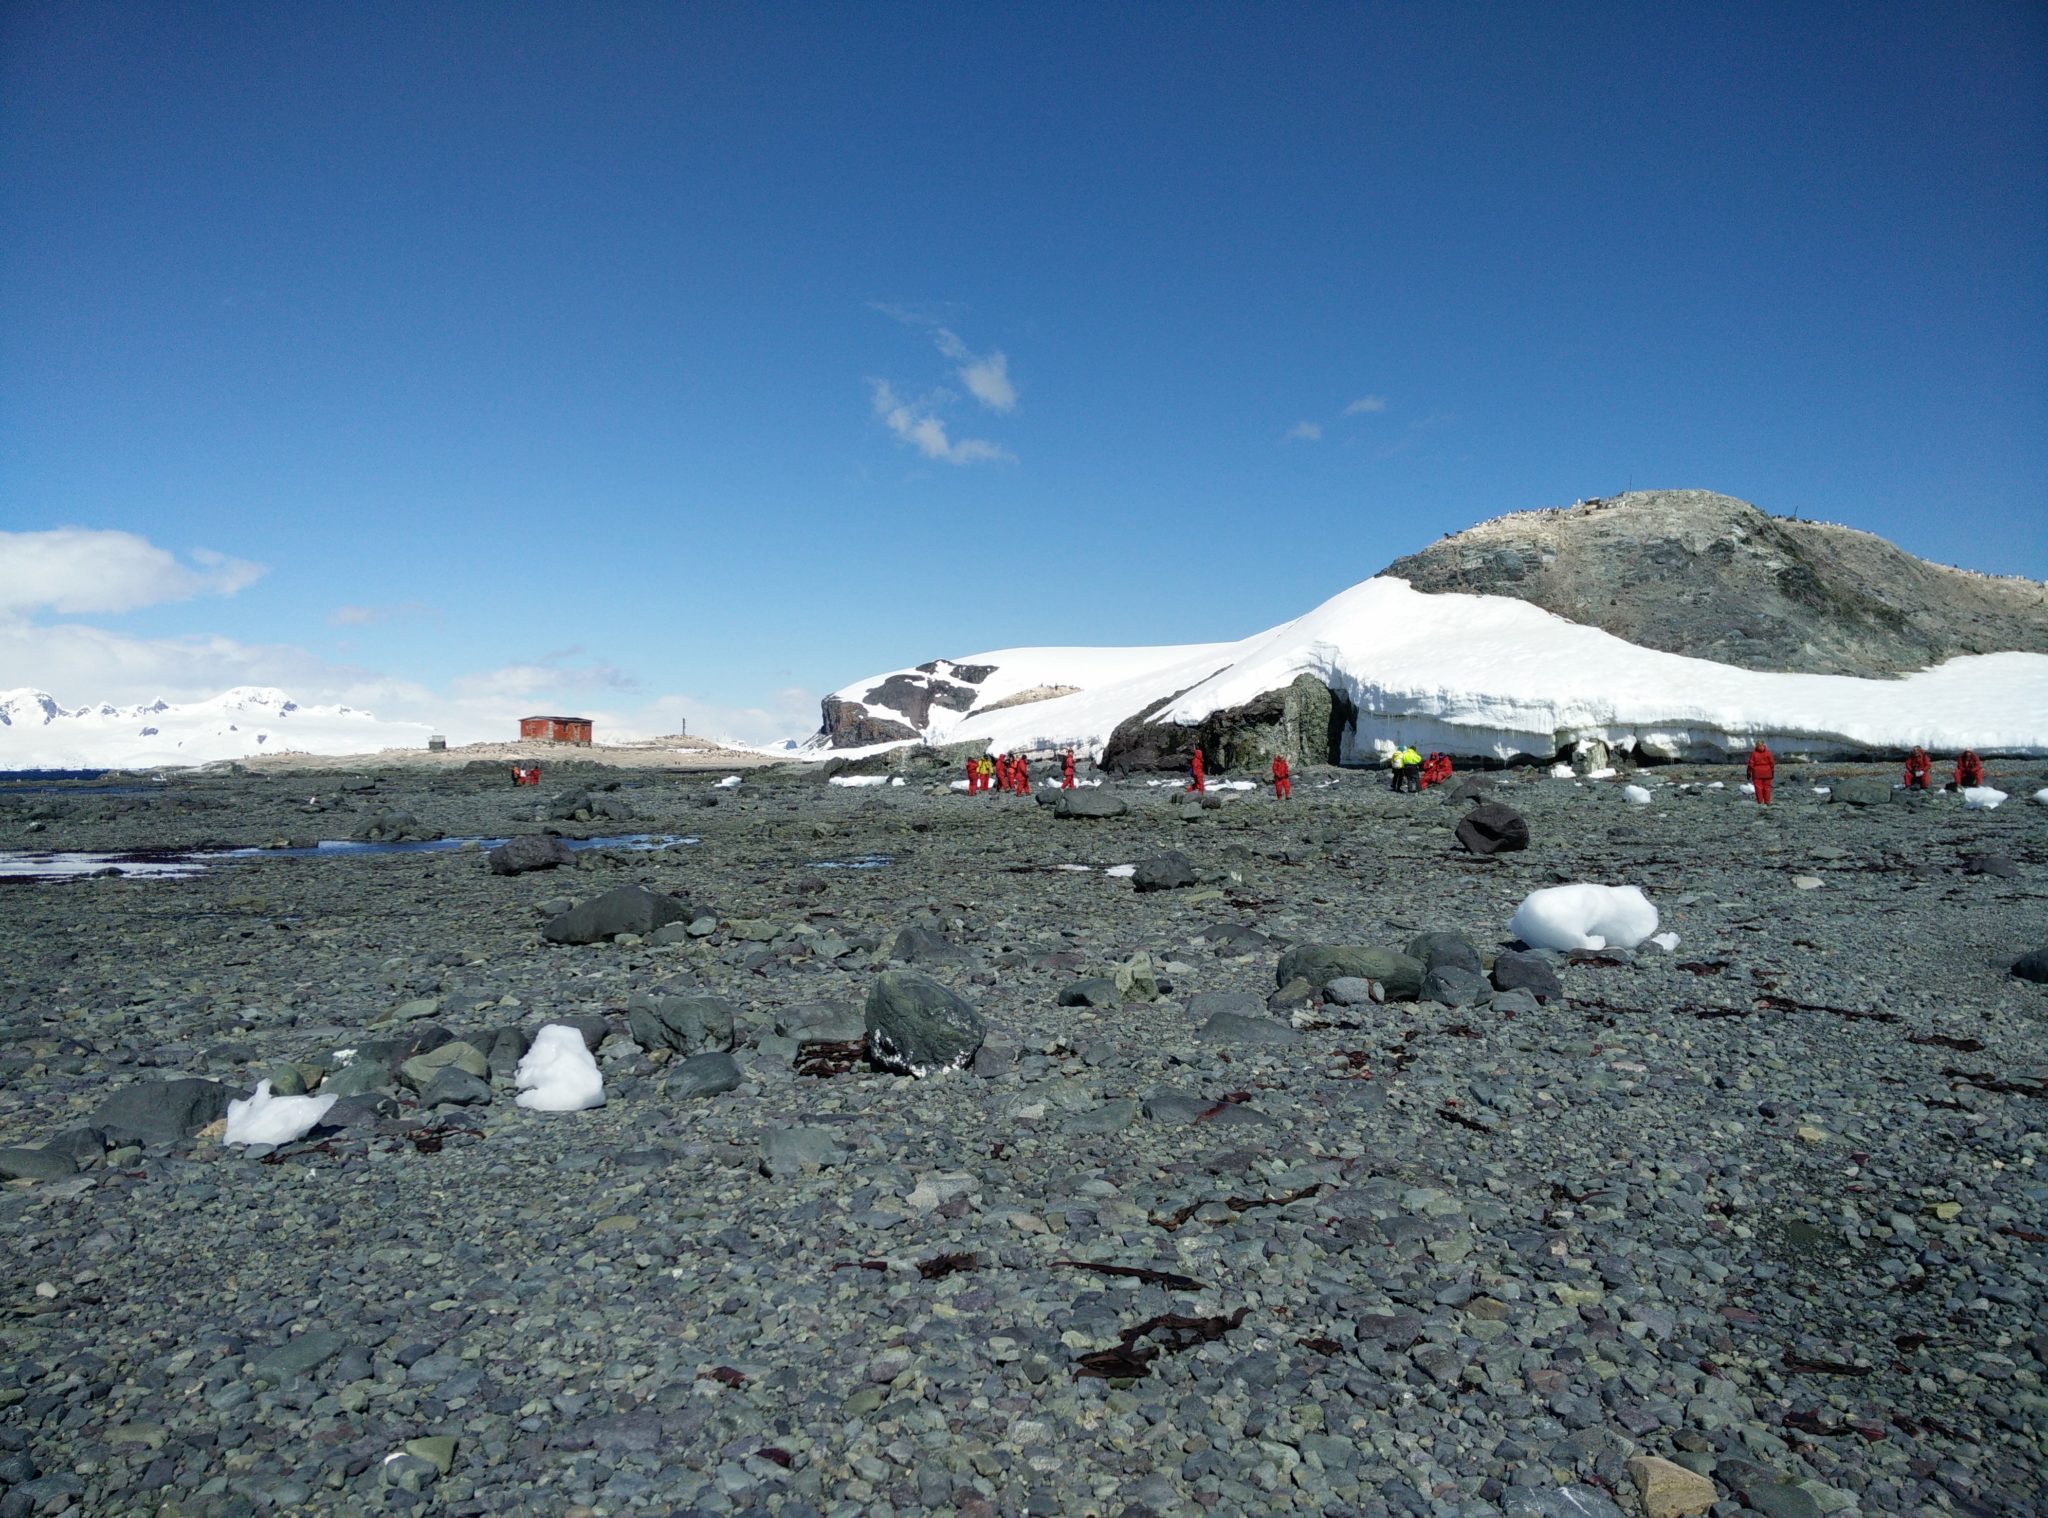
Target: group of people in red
[
  {"x": 1012, "y": 773},
  {"x": 1969, "y": 771},
  {"x": 1436, "y": 769},
  {"x": 526, "y": 774}
]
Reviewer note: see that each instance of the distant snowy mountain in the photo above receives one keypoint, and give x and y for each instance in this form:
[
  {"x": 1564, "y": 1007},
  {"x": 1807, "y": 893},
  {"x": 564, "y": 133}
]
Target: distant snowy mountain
[
  {"x": 1472, "y": 675},
  {"x": 37, "y": 733}
]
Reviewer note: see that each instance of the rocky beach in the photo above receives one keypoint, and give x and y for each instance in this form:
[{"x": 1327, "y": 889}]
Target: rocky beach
[{"x": 1274, "y": 1177}]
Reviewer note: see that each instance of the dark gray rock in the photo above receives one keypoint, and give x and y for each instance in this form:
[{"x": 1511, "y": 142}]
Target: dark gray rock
[
  {"x": 1454, "y": 986},
  {"x": 1515, "y": 970},
  {"x": 1446, "y": 951},
  {"x": 709, "y": 1074},
  {"x": 688, "y": 1022},
  {"x": 629, "y": 909},
  {"x": 1170, "y": 871},
  {"x": 1093, "y": 802},
  {"x": 821, "y": 1023},
  {"x": 1096, "y": 991},
  {"x": 1491, "y": 828},
  {"x": 922, "y": 946},
  {"x": 1860, "y": 790},
  {"x": 786, "y": 1151},
  {"x": 451, "y": 1087},
  {"x": 915, "y": 1026},
  {"x": 2002, "y": 866},
  {"x": 2032, "y": 966},
  {"x": 1319, "y": 964},
  {"x": 1241, "y": 1028},
  {"x": 155, "y": 1112},
  {"x": 520, "y": 856},
  {"x": 35, "y": 1165}
]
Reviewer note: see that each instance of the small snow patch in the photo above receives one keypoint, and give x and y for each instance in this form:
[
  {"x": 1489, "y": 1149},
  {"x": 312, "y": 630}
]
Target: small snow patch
[
  {"x": 858, "y": 782},
  {"x": 261, "y": 1118},
  {"x": 558, "y": 1073},
  {"x": 1636, "y": 794},
  {"x": 2042, "y": 795},
  {"x": 729, "y": 783},
  {"x": 1584, "y": 916},
  {"x": 1121, "y": 871},
  {"x": 1668, "y": 942}
]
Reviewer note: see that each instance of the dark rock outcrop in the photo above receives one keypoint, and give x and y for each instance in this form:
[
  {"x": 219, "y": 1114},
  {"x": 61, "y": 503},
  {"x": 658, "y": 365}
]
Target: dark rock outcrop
[
  {"x": 1693, "y": 572},
  {"x": 1305, "y": 723},
  {"x": 520, "y": 856}
]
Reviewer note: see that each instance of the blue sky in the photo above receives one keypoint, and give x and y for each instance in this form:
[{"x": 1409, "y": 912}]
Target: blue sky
[{"x": 689, "y": 361}]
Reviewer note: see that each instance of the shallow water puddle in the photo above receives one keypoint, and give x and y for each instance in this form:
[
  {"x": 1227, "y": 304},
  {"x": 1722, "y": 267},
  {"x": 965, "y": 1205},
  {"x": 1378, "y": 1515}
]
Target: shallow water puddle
[
  {"x": 865, "y": 862},
  {"x": 143, "y": 864}
]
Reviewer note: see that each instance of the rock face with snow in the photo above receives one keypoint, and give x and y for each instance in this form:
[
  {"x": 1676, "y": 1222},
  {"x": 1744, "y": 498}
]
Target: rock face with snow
[
  {"x": 38, "y": 733},
  {"x": 1488, "y": 673},
  {"x": 1692, "y": 572}
]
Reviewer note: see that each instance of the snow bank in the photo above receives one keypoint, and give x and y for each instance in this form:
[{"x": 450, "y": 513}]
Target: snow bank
[
  {"x": 261, "y": 1118},
  {"x": 1982, "y": 798},
  {"x": 1584, "y": 917},
  {"x": 558, "y": 1074},
  {"x": 1497, "y": 676}
]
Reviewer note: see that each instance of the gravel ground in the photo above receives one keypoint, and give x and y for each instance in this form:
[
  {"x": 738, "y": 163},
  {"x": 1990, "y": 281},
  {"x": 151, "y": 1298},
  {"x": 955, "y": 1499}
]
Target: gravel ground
[{"x": 1764, "y": 1209}]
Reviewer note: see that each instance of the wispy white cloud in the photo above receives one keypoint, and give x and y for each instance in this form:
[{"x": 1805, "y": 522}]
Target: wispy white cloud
[
  {"x": 918, "y": 424},
  {"x": 1366, "y": 405},
  {"x": 986, "y": 375},
  {"x": 367, "y": 616},
  {"x": 76, "y": 570},
  {"x": 1304, "y": 432}
]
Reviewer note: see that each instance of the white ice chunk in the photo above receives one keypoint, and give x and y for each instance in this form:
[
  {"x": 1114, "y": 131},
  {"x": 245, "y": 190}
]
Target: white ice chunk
[
  {"x": 1584, "y": 917},
  {"x": 1668, "y": 942},
  {"x": 960, "y": 786},
  {"x": 1562, "y": 772},
  {"x": 896, "y": 780},
  {"x": 729, "y": 783},
  {"x": 858, "y": 782},
  {"x": 1982, "y": 798},
  {"x": 558, "y": 1073},
  {"x": 1636, "y": 794},
  {"x": 2042, "y": 795},
  {"x": 1121, "y": 871},
  {"x": 265, "y": 1119}
]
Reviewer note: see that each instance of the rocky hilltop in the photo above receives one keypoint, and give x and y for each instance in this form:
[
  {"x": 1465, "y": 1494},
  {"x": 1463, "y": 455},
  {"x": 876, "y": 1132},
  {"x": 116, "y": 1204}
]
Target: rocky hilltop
[{"x": 1694, "y": 572}]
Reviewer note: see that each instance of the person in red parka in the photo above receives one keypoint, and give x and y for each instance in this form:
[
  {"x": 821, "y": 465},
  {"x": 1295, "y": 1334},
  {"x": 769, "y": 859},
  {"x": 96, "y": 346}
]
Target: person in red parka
[
  {"x": 1197, "y": 782},
  {"x": 1762, "y": 767},
  {"x": 1969, "y": 770},
  {"x": 1067, "y": 770},
  {"x": 1918, "y": 768},
  {"x": 1283, "y": 786}
]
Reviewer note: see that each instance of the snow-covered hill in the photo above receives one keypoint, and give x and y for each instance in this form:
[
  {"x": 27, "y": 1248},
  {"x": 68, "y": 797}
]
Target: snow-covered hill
[
  {"x": 1467, "y": 674},
  {"x": 37, "y": 733}
]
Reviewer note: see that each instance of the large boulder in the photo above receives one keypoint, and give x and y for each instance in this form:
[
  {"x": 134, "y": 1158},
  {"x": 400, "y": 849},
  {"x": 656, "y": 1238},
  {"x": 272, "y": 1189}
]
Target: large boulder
[
  {"x": 1860, "y": 790},
  {"x": 1170, "y": 871},
  {"x": 1305, "y": 722},
  {"x": 1319, "y": 964},
  {"x": 520, "y": 856},
  {"x": 2032, "y": 966},
  {"x": 1516, "y": 970},
  {"x": 915, "y": 1026},
  {"x": 1445, "y": 951},
  {"x": 1491, "y": 828},
  {"x": 155, "y": 1112},
  {"x": 1091, "y": 802},
  {"x": 688, "y": 1022},
  {"x": 629, "y": 909}
]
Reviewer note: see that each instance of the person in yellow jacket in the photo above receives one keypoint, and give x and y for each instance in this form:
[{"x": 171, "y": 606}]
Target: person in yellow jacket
[{"x": 1406, "y": 764}]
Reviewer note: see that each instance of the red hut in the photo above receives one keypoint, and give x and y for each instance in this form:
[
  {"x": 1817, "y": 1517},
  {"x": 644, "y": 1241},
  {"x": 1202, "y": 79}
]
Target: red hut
[{"x": 556, "y": 729}]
